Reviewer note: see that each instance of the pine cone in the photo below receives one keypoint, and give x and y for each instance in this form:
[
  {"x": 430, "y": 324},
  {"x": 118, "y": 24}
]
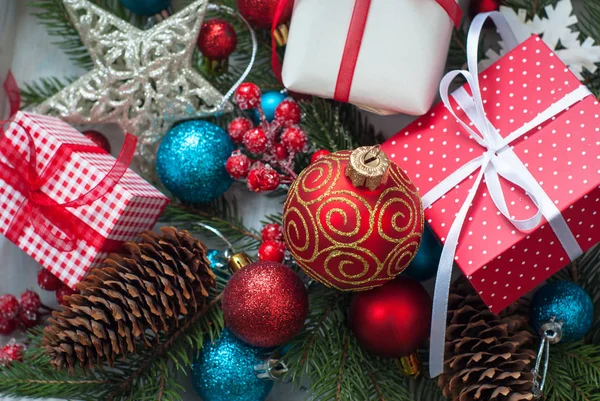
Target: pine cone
[
  {"x": 150, "y": 289},
  {"x": 488, "y": 357}
]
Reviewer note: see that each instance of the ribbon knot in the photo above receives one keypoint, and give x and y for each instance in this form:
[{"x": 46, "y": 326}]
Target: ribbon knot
[{"x": 498, "y": 160}]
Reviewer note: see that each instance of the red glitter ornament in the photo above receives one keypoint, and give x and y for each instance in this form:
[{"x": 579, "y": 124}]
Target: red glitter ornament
[
  {"x": 256, "y": 140},
  {"x": 99, "y": 139},
  {"x": 288, "y": 113},
  {"x": 30, "y": 301},
  {"x": 260, "y": 13},
  {"x": 29, "y": 319},
  {"x": 294, "y": 139},
  {"x": 318, "y": 154},
  {"x": 48, "y": 281},
  {"x": 9, "y": 306},
  {"x": 11, "y": 352},
  {"x": 7, "y": 326},
  {"x": 281, "y": 152},
  {"x": 238, "y": 127},
  {"x": 273, "y": 251},
  {"x": 217, "y": 39},
  {"x": 483, "y": 6},
  {"x": 392, "y": 320},
  {"x": 272, "y": 232},
  {"x": 262, "y": 179},
  {"x": 265, "y": 304},
  {"x": 238, "y": 165},
  {"x": 247, "y": 96}
]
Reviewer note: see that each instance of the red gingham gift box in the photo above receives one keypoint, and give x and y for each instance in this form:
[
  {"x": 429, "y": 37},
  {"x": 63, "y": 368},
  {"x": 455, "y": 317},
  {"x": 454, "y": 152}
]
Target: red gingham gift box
[
  {"x": 127, "y": 208},
  {"x": 562, "y": 155}
]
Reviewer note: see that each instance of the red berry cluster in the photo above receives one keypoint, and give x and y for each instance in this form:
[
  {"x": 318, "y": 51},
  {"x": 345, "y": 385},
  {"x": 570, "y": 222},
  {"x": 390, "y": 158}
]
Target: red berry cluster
[
  {"x": 272, "y": 247},
  {"x": 13, "y": 351},
  {"x": 274, "y": 143},
  {"x": 49, "y": 282},
  {"x": 23, "y": 313}
]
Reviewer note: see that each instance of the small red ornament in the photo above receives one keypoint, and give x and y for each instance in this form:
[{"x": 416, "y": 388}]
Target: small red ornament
[
  {"x": 260, "y": 13},
  {"x": 30, "y": 301},
  {"x": 7, "y": 326},
  {"x": 48, "y": 281},
  {"x": 11, "y": 352},
  {"x": 273, "y": 251},
  {"x": 247, "y": 96},
  {"x": 62, "y": 292},
  {"x": 238, "y": 127},
  {"x": 281, "y": 152},
  {"x": 318, "y": 154},
  {"x": 29, "y": 319},
  {"x": 217, "y": 39},
  {"x": 483, "y": 6},
  {"x": 265, "y": 304},
  {"x": 272, "y": 232},
  {"x": 294, "y": 139},
  {"x": 263, "y": 179},
  {"x": 99, "y": 139},
  {"x": 256, "y": 140},
  {"x": 9, "y": 306},
  {"x": 288, "y": 113},
  {"x": 238, "y": 165},
  {"x": 392, "y": 320}
]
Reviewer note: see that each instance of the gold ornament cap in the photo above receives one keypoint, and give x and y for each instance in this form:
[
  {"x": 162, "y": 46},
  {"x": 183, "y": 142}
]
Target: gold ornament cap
[
  {"x": 409, "y": 365},
  {"x": 238, "y": 261},
  {"x": 368, "y": 167}
]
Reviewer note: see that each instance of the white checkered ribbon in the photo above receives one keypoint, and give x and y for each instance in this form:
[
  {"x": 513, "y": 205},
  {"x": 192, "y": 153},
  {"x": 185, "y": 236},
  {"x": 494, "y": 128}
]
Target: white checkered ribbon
[
  {"x": 51, "y": 220},
  {"x": 499, "y": 160}
]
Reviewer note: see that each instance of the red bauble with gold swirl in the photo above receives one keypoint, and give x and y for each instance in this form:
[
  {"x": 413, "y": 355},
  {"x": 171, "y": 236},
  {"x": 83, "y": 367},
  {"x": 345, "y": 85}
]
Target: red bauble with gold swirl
[{"x": 353, "y": 220}]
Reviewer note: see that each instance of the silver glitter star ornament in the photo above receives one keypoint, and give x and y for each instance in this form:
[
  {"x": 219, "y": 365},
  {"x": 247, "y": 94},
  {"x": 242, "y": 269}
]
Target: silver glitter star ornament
[{"x": 137, "y": 74}]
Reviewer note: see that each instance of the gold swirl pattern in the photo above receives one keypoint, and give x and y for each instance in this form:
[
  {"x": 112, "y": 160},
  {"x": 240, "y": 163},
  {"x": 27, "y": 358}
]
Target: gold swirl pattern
[{"x": 351, "y": 238}]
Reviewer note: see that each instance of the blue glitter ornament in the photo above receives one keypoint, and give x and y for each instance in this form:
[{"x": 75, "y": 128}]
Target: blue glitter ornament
[
  {"x": 146, "y": 7},
  {"x": 425, "y": 264},
  {"x": 269, "y": 102},
  {"x": 569, "y": 303},
  {"x": 225, "y": 371},
  {"x": 191, "y": 161}
]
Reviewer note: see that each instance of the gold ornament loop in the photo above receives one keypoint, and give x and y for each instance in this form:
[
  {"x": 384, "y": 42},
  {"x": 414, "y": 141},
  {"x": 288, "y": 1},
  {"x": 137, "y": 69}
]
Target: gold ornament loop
[{"x": 368, "y": 167}]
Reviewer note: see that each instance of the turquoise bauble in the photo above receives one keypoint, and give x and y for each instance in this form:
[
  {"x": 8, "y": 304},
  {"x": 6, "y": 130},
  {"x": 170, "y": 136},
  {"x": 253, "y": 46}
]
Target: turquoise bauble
[
  {"x": 425, "y": 264},
  {"x": 269, "y": 102},
  {"x": 146, "y": 7},
  {"x": 191, "y": 161}
]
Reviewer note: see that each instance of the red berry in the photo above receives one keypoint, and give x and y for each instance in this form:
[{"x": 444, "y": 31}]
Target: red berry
[
  {"x": 63, "y": 292},
  {"x": 29, "y": 319},
  {"x": 272, "y": 232},
  {"x": 30, "y": 301},
  {"x": 273, "y": 251},
  {"x": 238, "y": 127},
  {"x": 217, "y": 39},
  {"x": 9, "y": 306},
  {"x": 280, "y": 151},
  {"x": 11, "y": 352},
  {"x": 238, "y": 165},
  {"x": 288, "y": 113},
  {"x": 247, "y": 96},
  {"x": 7, "y": 326},
  {"x": 99, "y": 139},
  {"x": 294, "y": 139},
  {"x": 263, "y": 179},
  {"x": 318, "y": 154},
  {"x": 48, "y": 281},
  {"x": 256, "y": 140}
]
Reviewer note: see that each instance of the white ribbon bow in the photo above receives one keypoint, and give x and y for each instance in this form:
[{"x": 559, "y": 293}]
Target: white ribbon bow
[{"x": 499, "y": 160}]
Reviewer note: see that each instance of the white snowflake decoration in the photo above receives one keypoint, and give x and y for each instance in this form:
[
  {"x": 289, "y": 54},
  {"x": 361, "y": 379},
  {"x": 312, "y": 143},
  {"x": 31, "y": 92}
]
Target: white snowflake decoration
[{"x": 553, "y": 30}]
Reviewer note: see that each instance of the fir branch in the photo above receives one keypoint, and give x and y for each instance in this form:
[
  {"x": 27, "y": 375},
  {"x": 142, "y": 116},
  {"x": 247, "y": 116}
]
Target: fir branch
[
  {"x": 574, "y": 372},
  {"x": 533, "y": 7},
  {"x": 36, "y": 92},
  {"x": 457, "y": 55}
]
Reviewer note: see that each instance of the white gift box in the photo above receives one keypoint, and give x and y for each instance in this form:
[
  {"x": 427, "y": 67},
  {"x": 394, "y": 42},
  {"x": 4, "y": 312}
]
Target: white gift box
[{"x": 401, "y": 58}]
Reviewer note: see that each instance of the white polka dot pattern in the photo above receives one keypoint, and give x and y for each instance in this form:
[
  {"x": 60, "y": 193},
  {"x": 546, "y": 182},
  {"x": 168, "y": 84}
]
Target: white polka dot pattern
[
  {"x": 129, "y": 208},
  {"x": 563, "y": 155}
]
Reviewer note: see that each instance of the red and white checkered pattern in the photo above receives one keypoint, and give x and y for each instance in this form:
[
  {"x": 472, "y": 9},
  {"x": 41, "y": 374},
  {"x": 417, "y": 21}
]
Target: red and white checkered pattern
[{"x": 129, "y": 208}]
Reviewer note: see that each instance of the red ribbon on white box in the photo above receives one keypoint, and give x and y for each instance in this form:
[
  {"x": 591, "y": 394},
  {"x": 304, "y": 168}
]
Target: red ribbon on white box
[
  {"x": 499, "y": 160},
  {"x": 356, "y": 30}
]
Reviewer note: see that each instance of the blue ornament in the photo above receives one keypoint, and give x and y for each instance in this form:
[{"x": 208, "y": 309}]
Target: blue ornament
[
  {"x": 269, "y": 102},
  {"x": 425, "y": 264},
  {"x": 191, "y": 161},
  {"x": 224, "y": 371},
  {"x": 569, "y": 303},
  {"x": 146, "y": 7}
]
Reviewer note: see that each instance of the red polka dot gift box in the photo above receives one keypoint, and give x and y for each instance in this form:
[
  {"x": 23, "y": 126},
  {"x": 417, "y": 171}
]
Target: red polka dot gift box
[
  {"x": 65, "y": 201},
  {"x": 508, "y": 167}
]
